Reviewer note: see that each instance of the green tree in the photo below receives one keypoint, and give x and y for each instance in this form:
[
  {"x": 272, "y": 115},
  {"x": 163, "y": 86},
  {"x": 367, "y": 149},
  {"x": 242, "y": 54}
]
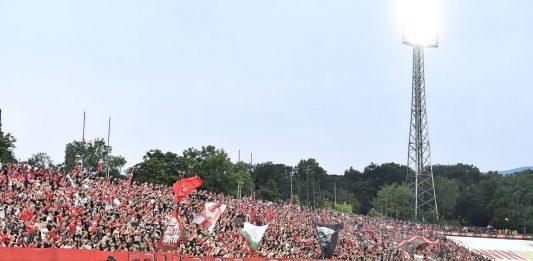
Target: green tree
[
  {"x": 344, "y": 197},
  {"x": 354, "y": 183},
  {"x": 213, "y": 165},
  {"x": 269, "y": 192},
  {"x": 483, "y": 195},
  {"x": 160, "y": 168},
  {"x": 309, "y": 177},
  {"x": 447, "y": 192},
  {"x": 467, "y": 174},
  {"x": 241, "y": 179},
  {"x": 91, "y": 154},
  {"x": 346, "y": 208},
  {"x": 40, "y": 160},
  {"x": 375, "y": 177},
  {"x": 7, "y": 144},
  {"x": 273, "y": 181},
  {"x": 395, "y": 201},
  {"x": 469, "y": 208},
  {"x": 512, "y": 204}
]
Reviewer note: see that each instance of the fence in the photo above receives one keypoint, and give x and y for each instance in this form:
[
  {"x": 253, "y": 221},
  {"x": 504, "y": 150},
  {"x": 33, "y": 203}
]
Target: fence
[{"x": 484, "y": 235}]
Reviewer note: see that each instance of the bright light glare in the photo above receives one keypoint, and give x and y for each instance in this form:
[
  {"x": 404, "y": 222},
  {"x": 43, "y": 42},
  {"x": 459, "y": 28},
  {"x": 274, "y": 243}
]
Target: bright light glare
[{"x": 419, "y": 21}]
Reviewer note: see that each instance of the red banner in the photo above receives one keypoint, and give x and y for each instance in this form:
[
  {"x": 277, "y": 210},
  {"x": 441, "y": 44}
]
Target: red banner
[
  {"x": 60, "y": 254},
  {"x": 173, "y": 234}
]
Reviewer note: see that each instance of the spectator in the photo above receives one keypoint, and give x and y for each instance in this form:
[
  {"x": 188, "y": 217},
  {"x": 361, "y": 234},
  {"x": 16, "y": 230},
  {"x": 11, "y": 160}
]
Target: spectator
[{"x": 44, "y": 208}]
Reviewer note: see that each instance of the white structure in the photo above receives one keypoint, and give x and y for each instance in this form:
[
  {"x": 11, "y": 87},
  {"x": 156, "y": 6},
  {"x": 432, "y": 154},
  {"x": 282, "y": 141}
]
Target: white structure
[{"x": 498, "y": 249}]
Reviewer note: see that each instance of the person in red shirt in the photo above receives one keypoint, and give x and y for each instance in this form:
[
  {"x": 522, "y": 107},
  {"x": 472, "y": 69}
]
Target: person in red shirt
[
  {"x": 52, "y": 235},
  {"x": 72, "y": 228},
  {"x": 26, "y": 215},
  {"x": 5, "y": 236}
]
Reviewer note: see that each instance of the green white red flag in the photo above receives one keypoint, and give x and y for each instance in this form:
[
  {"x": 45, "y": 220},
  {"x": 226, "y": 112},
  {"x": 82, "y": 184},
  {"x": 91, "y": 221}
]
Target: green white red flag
[{"x": 253, "y": 234}]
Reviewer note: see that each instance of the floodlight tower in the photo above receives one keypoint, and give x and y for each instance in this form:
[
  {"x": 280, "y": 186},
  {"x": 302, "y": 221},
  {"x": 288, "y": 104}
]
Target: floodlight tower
[{"x": 419, "y": 32}]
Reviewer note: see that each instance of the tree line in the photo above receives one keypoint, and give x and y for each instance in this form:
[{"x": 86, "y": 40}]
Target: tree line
[{"x": 465, "y": 196}]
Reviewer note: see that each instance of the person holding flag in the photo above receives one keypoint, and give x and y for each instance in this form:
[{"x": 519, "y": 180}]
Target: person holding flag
[
  {"x": 209, "y": 215},
  {"x": 253, "y": 235},
  {"x": 175, "y": 232},
  {"x": 185, "y": 186},
  {"x": 328, "y": 235},
  {"x": 415, "y": 243}
]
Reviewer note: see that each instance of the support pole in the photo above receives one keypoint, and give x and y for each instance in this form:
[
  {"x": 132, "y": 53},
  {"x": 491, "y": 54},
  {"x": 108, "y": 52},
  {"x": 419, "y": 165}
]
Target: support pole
[
  {"x": 108, "y": 148},
  {"x": 335, "y": 191},
  {"x": 83, "y": 142},
  {"x": 291, "y": 174}
]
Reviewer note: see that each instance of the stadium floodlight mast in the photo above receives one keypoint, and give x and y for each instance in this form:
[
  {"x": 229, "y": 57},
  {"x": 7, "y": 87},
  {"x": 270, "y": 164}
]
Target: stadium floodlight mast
[{"x": 419, "y": 30}]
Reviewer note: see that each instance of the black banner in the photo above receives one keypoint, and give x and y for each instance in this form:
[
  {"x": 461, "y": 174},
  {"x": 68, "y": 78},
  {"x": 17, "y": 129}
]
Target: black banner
[{"x": 327, "y": 236}]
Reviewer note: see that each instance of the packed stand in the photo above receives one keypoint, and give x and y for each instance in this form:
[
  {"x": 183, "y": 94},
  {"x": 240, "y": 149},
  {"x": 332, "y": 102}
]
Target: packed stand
[{"x": 49, "y": 209}]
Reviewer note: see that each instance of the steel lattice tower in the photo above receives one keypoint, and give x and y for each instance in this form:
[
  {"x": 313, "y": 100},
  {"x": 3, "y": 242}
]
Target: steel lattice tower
[{"x": 419, "y": 171}]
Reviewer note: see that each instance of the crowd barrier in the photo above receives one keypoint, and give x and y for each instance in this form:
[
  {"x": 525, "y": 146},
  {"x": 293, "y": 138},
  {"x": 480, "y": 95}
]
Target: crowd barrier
[
  {"x": 60, "y": 254},
  {"x": 485, "y": 235}
]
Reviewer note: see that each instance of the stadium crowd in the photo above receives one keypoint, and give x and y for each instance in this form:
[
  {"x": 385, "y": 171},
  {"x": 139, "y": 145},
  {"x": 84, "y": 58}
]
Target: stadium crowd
[{"x": 44, "y": 208}]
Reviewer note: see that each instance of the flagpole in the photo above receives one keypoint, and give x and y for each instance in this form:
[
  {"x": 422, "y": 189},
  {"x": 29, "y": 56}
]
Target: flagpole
[
  {"x": 291, "y": 184},
  {"x": 335, "y": 189},
  {"x": 83, "y": 142},
  {"x": 108, "y": 150},
  {"x": 313, "y": 219},
  {"x": 251, "y": 163}
]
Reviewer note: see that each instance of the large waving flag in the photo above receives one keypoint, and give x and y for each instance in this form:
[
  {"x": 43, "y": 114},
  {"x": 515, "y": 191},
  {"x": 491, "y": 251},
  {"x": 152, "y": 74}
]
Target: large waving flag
[
  {"x": 174, "y": 233},
  {"x": 253, "y": 234},
  {"x": 209, "y": 215},
  {"x": 327, "y": 236},
  {"x": 185, "y": 187},
  {"x": 414, "y": 243}
]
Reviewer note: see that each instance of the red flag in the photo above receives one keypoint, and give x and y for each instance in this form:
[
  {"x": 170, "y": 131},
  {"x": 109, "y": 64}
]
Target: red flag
[
  {"x": 414, "y": 243},
  {"x": 75, "y": 170},
  {"x": 185, "y": 187}
]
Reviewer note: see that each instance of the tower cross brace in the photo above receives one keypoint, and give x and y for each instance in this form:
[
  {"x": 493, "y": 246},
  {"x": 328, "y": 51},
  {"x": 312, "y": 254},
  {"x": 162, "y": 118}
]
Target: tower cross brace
[{"x": 419, "y": 168}]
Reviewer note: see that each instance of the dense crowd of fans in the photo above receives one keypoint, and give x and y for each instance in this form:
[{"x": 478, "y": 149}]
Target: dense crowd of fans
[
  {"x": 479, "y": 230},
  {"x": 45, "y": 208}
]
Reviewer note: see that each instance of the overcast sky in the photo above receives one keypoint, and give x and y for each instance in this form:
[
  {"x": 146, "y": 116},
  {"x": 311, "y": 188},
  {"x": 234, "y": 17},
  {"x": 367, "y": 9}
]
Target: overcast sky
[{"x": 286, "y": 79}]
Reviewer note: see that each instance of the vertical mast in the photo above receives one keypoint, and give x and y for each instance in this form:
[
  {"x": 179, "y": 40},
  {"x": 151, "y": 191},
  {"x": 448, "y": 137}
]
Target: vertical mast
[{"x": 420, "y": 172}]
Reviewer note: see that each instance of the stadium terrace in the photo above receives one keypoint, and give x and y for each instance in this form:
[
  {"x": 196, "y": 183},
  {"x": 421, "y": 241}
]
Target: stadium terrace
[{"x": 45, "y": 208}]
